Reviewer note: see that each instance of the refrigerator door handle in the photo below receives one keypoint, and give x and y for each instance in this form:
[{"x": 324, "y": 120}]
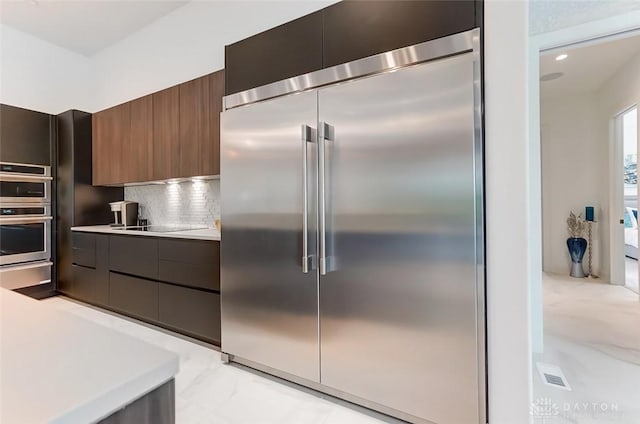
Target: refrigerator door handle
[
  {"x": 325, "y": 132},
  {"x": 307, "y": 260}
]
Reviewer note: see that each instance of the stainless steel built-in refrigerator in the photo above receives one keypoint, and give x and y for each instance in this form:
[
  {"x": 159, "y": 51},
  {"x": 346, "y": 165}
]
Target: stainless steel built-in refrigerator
[{"x": 352, "y": 228}]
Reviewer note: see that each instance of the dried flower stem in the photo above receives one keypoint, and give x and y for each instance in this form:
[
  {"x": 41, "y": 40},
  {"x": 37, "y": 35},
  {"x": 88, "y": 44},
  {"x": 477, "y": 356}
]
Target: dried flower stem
[{"x": 576, "y": 225}]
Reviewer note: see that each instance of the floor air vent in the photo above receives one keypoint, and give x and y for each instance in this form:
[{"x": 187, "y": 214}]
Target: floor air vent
[{"x": 553, "y": 376}]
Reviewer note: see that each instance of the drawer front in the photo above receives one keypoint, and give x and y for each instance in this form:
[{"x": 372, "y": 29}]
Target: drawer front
[
  {"x": 133, "y": 296},
  {"x": 83, "y": 249},
  {"x": 190, "y": 262},
  {"x": 134, "y": 255},
  {"x": 85, "y": 284},
  {"x": 193, "y": 311}
]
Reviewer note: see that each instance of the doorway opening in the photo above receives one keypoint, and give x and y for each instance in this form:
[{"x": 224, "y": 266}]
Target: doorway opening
[{"x": 588, "y": 155}]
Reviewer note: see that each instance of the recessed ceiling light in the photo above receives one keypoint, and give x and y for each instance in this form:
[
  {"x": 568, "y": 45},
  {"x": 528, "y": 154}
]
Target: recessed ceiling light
[
  {"x": 550, "y": 77},
  {"x": 562, "y": 56}
]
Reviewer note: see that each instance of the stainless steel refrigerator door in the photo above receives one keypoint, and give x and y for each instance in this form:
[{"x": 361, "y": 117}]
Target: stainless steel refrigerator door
[
  {"x": 399, "y": 307},
  {"x": 269, "y": 305}
]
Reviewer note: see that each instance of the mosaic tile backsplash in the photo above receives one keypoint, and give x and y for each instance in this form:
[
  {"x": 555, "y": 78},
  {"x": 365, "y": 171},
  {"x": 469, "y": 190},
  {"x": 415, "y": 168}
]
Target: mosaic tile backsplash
[{"x": 193, "y": 203}]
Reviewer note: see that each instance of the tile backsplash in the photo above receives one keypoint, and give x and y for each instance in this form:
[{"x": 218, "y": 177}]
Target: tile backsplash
[{"x": 195, "y": 203}]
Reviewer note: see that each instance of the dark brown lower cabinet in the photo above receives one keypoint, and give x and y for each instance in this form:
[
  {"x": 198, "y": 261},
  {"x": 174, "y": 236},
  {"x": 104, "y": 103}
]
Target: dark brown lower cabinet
[
  {"x": 121, "y": 273},
  {"x": 83, "y": 249},
  {"x": 133, "y": 296},
  {"x": 196, "y": 312},
  {"x": 89, "y": 280},
  {"x": 89, "y": 285},
  {"x": 193, "y": 263},
  {"x": 134, "y": 255}
]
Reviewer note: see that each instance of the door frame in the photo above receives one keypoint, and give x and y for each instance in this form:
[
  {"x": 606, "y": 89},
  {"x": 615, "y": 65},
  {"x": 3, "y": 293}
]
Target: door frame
[
  {"x": 610, "y": 28},
  {"x": 617, "y": 269}
]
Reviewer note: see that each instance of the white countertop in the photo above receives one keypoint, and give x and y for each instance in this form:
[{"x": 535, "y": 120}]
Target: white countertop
[
  {"x": 59, "y": 368},
  {"x": 201, "y": 234}
]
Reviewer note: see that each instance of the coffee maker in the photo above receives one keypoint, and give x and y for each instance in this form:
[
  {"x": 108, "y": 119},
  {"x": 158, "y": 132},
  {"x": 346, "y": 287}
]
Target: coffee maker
[{"x": 125, "y": 213}]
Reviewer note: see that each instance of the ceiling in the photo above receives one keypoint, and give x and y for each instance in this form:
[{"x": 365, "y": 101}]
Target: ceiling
[
  {"x": 552, "y": 15},
  {"x": 86, "y": 26},
  {"x": 587, "y": 67}
]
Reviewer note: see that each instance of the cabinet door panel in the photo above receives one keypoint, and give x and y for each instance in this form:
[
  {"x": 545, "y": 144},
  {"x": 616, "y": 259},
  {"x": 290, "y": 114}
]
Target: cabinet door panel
[
  {"x": 294, "y": 48},
  {"x": 120, "y": 127},
  {"x": 25, "y": 136},
  {"x": 137, "y": 157},
  {"x": 210, "y": 159},
  {"x": 166, "y": 148},
  {"x": 357, "y": 29},
  {"x": 111, "y": 131},
  {"x": 194, "y": 125}
]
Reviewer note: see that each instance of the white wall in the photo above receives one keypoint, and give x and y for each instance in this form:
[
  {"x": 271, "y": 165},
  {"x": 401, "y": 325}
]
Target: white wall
[
  {"x": 183, "y": 45},
  {"x": 180, "y": 46},
  {"x": 509, "y": 249},
  {"x": 574, "y": 175},
  {"x": 41, "y": 76}
]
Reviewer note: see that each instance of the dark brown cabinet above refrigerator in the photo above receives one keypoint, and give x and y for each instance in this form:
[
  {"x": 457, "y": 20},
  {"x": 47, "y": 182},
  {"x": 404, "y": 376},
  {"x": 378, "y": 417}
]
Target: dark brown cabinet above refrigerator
[
  {"x": 357, "y": 29},
  {"x": 340, "y": 33},
  {"x": 285, "y": 51}
]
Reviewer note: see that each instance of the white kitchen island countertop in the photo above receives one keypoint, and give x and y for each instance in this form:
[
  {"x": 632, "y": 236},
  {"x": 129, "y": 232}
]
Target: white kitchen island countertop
[
  {"x": 56, "y": 367},
  {"x": 197, "y": 234}
]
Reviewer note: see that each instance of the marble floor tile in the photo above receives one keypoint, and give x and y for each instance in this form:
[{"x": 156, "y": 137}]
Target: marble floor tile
[
  {"x": 211, "y": 392},
  {"x": 592, "y": 332}
]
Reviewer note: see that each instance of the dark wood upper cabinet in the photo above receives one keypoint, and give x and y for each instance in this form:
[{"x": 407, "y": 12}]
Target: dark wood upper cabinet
[
  {"x": 25, "y": 136},
  {"x": 195, "y": 131},
  {"x": 174, "y": 133},
  {"x": 123, "y": 143},
  {"x": 137, "y": 157},
  {"x": 285, "y": 51},
  {"x": 210, "y": 158},
  {"x": 357, "y": 29},
  {"x": 166, "y": 132},
  {"x": 111, "y": 131}
]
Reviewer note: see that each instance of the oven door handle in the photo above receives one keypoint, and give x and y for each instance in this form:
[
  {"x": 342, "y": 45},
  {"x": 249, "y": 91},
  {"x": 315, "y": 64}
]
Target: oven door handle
[
  {"x": 25, "y": 178},
  {"x": 23, "y": 220}
]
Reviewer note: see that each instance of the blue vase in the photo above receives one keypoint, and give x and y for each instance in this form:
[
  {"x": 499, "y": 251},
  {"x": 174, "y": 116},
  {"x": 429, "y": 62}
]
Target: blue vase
[{"x": 577, "y": 246}]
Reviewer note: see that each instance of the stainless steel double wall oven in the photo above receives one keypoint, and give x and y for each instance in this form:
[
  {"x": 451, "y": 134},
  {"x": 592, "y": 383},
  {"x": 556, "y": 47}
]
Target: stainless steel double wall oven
[
  {"x": 353, "y": 228},
  {"x": 25, "y": 224}
]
